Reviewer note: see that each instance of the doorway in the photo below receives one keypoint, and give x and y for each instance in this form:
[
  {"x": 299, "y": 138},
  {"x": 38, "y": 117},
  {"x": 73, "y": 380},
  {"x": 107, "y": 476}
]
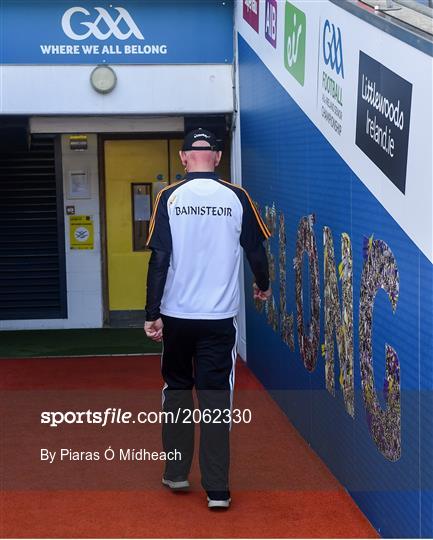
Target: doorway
[{"x": 135, "y": 170}]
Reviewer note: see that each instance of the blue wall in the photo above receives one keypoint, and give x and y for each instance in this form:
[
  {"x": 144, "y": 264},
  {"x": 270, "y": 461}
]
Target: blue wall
[{"x": 287, "y": 161}]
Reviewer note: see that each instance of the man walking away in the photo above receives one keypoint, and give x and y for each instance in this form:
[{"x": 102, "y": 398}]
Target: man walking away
[{"x": 197, "y": 229}]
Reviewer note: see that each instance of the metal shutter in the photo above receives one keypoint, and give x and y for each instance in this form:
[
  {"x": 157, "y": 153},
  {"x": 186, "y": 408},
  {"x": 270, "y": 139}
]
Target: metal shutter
[{"x": 32, "y": 240}]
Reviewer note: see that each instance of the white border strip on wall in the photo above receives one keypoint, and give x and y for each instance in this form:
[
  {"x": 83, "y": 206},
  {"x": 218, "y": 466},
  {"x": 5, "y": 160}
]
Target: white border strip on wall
[
  {"x": 236, "y": 173},
  {"x": 105, "y": 124}
]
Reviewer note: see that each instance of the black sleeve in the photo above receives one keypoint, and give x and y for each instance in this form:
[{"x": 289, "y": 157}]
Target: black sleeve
[
  {"x": 159, "y": 228},
  {"x": 259, "y": 266},
  {"x": 156, "y": 277},
  {"x": 159, "y": 241},
  {"x": 253, "y": 233}
]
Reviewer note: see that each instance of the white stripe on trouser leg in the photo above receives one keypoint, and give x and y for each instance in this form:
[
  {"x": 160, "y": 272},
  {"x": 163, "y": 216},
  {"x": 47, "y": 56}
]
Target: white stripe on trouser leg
[
  {"x": 232, "y": 372},
  {"x": 163, "y": 395},
  {"x": 165, "y": 384}
]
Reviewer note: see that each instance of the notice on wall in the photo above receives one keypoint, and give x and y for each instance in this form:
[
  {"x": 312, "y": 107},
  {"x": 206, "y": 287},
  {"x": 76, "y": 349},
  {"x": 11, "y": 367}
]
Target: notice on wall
[
  {"x": 141, "y": 207},
  {"x": 383, "y": 118},
  {"x": 78, "y": 142},
  {"x": 81, "y": 232}
]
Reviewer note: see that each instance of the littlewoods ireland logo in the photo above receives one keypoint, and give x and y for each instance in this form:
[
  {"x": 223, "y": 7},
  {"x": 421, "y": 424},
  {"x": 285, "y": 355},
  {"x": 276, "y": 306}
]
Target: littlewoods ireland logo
[
  {"x": 93, "y": 28},
  {"x": 295, "y": 29}
]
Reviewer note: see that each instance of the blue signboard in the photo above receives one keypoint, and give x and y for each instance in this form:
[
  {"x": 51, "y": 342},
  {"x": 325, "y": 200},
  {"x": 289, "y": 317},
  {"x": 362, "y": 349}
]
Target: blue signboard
[
  {"x": 331, "y": 239},
  {"x": 128, "y": 32}
]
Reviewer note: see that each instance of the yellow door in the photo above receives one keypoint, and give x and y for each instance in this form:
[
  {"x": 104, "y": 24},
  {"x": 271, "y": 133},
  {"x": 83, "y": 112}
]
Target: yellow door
[
  {"x": 131, "y": 169},
  {"x": 134, "y": 171},
  {"x": 176, "y": 169}
]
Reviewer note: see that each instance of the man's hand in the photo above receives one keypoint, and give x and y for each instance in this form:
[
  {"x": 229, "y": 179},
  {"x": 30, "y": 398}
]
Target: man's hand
[
  {"x": 153, "y": 329},
  {"x": 261, "y": 295}
]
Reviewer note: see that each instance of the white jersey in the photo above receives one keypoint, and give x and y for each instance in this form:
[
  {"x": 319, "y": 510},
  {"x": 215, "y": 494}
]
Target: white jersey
[{"x": 203, "y": 222}]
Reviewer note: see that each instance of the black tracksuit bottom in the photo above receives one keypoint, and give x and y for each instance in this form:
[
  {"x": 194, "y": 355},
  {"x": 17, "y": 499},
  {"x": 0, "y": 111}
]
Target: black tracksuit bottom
[{"x": 200, "y": 353}]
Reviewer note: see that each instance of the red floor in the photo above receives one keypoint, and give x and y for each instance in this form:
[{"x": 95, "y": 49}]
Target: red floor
[{"x": 280, "y": 488}]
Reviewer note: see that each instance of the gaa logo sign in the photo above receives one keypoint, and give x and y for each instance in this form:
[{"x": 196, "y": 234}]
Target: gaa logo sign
[
  {"x": 93, "y": 28},
  {"x": 333, "y": 47}
]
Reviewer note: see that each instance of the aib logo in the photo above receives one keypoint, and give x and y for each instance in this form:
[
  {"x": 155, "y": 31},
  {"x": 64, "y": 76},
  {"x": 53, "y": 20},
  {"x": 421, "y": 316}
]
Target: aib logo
[
  {"x": 332, "y": 46},
  {"x": 295, "y": 29},
  {"x": 93, "y": 27},
  {"x": 271, "y": 22}
]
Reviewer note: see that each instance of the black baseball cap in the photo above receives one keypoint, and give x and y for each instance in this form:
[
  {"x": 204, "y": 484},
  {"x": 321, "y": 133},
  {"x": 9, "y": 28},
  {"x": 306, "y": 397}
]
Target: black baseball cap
[{"x": 200, "y": 134}]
